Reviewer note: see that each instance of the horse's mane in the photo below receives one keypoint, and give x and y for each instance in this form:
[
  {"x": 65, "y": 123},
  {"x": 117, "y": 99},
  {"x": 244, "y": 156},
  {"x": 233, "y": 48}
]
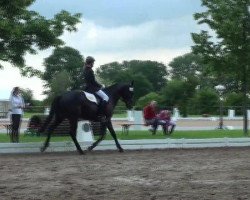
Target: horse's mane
[{"x": 110, "y": 89}]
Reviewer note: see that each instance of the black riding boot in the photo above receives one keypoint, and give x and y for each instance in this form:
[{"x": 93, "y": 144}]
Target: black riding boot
[{"x": 102, "y": 110}]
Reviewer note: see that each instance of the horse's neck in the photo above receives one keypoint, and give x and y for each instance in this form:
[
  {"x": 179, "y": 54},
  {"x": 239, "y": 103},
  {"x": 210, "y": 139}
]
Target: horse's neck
[{"x": 113, "y": 95}]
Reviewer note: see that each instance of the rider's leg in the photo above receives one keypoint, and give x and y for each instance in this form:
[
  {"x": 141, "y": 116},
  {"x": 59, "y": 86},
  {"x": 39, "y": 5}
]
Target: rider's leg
[{"x": 104, "y": 102}]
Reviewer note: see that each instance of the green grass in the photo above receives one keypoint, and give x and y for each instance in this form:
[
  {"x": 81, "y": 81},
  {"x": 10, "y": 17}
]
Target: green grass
[{"x": 136, "y": 135}]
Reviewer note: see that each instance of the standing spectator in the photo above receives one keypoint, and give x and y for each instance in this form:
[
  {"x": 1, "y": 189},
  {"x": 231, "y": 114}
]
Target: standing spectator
[
  {"x": 165, "y": 116},
  {"x": 17, "y": 105},
  {"x": 150, "y": 116}
]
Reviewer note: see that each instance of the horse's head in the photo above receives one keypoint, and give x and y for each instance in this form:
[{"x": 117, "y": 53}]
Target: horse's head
[{"x": 127, "y": 93}]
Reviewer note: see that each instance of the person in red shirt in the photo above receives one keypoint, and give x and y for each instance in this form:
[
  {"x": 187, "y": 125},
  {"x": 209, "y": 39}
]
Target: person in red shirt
[
  {"x": 150, "y": 116},
  {"x": 165, "y": 116}
]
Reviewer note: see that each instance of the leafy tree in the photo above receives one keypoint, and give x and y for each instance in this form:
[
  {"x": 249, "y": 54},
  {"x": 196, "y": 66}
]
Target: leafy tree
[
  {"x": 191, "y": 66},
  {"x": 25, "y": 31},
  {"x": 59, "y": 85},
  {"x": 64, "y": 59},
  {"x": 110, "y": 73},
  {"x": 177, "y": 93},
  {"x": 205, "y": 101},
  {"x": 145, "y": 100},
  {"x": 185, "y": 66},
  {"x": 154, "y": 72},
  {"x": 27, "y": 95},
  {"x": 229, "y": 52},
  {"x": 148, "y": 75},
  {"x": 142, "y": 86},
  {"x": 234, "y": 99}
]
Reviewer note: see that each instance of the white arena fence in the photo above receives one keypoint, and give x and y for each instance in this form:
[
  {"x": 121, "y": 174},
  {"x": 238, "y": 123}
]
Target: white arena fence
[
  {"x": 86, "y": 139},
  {"x": 128, "y": 145}
]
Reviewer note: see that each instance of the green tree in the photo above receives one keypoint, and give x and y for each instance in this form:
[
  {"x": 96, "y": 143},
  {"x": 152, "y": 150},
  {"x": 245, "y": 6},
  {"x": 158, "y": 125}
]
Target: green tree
[
  {"x": 185, "y": 66},
  {"x": 59, "y": 85},
  {"x": 28, "y": 96},
  {"x": 25, "y": 31},
  {"x": 64, "y": 59},
  {"x": 229, "y": 52},
  {"x": 205, "y": 101},
  {"x": 145, "y": 100},
  {"x": 148, "y": 75},
  {"x": 154, "y": 72},
  {"x": 177, "y": 94},
  {"x": 234, "y": 100},
  {"x": 191, "y": 66}
]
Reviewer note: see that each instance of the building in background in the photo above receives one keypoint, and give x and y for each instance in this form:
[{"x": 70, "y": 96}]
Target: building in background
[{"x": 4, "y": 108}]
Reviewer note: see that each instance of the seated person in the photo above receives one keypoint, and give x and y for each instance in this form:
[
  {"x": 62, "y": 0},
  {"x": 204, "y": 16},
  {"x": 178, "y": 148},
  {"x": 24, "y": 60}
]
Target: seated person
[
  {"x": 165, "y": 116},
  {"x": 150, "y": 117}
]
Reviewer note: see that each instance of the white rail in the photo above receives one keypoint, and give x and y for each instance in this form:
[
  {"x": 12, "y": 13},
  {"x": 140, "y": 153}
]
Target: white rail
[{"x": 128, "y": 145}]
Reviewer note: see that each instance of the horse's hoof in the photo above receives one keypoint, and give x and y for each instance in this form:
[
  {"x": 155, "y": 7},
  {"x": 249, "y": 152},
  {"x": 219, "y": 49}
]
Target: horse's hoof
[
  {"x": 81, "y": 152},
  {"x": 90, "y": 148},
  {"x": 42, "y": 149},
  {"x": 121, "y": 150}
]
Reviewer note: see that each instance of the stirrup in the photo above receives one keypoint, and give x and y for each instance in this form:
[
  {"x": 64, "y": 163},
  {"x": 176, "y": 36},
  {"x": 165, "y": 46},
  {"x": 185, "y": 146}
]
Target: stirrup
[{"x": 102, "y": 118}]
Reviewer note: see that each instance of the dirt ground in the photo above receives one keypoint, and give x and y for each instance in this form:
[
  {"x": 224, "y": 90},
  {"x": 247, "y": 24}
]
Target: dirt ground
[{"x": 216, "y": 173}]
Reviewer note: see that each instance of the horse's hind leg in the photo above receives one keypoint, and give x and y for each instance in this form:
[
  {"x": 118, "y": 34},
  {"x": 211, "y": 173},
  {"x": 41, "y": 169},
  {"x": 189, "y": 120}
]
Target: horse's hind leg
[
  {"x": 73, "y": 129},
  {"x": 51, "y": 128},
  {"x": 103, "y": 133}
]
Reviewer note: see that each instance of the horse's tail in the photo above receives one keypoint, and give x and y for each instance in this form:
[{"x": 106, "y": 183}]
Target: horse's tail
[{"x": 54, "y": 107}]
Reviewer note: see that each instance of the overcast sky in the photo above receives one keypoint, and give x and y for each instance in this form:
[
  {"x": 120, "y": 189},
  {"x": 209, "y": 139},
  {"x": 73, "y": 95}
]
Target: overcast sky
[{"x": 115, "y": 30}]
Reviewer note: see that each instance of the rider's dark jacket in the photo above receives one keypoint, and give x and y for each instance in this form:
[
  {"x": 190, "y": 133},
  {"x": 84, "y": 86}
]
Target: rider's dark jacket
[{"x": 91, "y": 84}]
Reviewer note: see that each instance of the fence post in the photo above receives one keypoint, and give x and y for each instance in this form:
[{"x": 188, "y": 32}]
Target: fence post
[
  {"x": 231, "y": 113},
  {"x": 130, "y": 115},
  {"x": 138, "y": 119},
  {"x": 248, "y": 114},
  {"x": 176, "y": 113},
  {"x": 46, "y": 111}
]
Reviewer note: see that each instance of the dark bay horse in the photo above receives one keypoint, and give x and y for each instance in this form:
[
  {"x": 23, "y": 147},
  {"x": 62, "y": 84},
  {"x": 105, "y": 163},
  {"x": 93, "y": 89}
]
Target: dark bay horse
[{"x": 74, "y": 105}]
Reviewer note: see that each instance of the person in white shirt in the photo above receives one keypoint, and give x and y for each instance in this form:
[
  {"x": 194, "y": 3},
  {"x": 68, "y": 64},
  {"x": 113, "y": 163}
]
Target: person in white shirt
[{"x": 17, "y": 106}]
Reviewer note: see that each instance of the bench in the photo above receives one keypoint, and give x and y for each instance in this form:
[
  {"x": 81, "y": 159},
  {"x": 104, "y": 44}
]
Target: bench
[
  {"x": 126, "y": 126},
  {"x": 3, "y": 114},
  {"x": 62, "y": 129},
  {"x": 6, "y": 125},
  {"x": 36, "y": 121}
]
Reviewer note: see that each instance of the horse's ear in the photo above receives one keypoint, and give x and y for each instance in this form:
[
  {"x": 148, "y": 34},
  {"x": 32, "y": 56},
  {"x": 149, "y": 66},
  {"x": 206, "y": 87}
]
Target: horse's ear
[{"x": 132, "y": 83}]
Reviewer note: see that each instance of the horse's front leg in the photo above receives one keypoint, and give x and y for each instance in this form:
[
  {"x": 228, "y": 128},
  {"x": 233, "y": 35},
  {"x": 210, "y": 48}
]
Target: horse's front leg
[
  {"x": 112, "y": 132},
  {"x": 51, "y": 128},
  {"x": 73, "y": 129},
  {"x": 103, "y": 133}
]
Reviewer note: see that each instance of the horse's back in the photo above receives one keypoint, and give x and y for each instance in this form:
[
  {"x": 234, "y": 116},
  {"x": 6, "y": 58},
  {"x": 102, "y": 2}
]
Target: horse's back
[{"x": 71, "y": 98}]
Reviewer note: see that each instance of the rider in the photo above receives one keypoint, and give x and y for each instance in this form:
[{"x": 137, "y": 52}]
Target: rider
[{"x": 93, "y": 86}]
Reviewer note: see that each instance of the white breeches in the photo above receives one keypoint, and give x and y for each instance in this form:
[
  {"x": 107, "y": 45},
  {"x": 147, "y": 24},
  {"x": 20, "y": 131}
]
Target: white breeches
[{"x": 103, "y": 95}]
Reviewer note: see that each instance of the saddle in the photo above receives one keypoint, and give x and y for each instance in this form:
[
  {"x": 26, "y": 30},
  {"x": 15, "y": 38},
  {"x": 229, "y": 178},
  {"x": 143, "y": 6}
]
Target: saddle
[
  {"x": 100, "y": 103},
  {"x": 92, "y": 97}
]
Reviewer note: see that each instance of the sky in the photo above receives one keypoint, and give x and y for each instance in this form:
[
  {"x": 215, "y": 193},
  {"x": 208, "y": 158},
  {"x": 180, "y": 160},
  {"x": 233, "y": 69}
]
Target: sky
[{"x": 114, "y": 30}]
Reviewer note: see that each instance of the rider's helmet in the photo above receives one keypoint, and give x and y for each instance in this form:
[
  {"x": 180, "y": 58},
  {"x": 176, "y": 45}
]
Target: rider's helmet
[{"x": 89, "y": 60}]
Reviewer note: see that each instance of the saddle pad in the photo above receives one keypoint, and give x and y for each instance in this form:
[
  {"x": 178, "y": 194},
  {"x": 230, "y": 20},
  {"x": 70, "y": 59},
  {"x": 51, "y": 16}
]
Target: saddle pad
[{"x": 90, "y": 97}]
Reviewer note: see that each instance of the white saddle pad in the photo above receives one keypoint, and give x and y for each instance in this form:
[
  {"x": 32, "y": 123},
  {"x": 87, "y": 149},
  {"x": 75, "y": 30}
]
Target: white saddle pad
[{"x": 90, "y": 97}]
